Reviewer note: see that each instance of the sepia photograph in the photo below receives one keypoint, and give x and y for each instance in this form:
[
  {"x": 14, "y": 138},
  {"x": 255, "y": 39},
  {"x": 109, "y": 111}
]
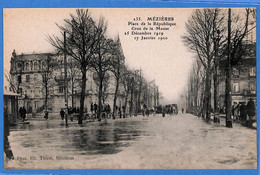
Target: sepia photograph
[{"x": 129, "y": 88}]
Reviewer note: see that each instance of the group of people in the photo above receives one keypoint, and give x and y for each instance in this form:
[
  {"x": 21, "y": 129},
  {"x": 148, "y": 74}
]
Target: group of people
[
  {"x": 22, "y": 112},
  {"x": 240, "y": 111},
  {"x": 106, "y": 109}
]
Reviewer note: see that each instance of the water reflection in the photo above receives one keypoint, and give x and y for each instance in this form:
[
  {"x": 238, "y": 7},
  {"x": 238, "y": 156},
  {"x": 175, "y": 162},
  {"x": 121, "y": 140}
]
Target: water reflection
[{"x": 106, "y": 137}]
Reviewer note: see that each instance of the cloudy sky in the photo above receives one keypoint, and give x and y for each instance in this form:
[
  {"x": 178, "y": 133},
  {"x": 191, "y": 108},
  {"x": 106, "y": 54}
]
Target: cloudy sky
[{"x": 167, "y": 62}]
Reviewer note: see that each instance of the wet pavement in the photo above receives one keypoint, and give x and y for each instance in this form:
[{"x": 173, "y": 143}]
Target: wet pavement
[{"x": 180, "y": 141}]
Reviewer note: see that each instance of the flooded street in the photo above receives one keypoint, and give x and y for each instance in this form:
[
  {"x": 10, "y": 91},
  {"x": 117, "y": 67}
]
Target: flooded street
[{"x": 180, "y": 141}]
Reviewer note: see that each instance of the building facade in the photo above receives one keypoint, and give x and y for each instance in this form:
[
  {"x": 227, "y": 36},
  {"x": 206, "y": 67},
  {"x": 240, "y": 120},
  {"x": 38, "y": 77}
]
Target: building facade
[
  {"x": 243, "y": 80},
  {"x": 29, "y": 71},
  {"x": 36, "y": 75}
]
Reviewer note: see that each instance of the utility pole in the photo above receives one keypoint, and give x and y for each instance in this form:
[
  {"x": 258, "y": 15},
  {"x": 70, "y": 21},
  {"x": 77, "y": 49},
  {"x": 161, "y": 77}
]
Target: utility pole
[
  {"x": 65, "y": 81},
  {"x": 215, "y": 76},
  {"x": 228, "y": 76}
]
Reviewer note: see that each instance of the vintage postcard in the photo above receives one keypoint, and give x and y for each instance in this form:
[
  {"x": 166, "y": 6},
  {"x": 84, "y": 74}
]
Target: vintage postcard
[{"x": 129, "y": 88}]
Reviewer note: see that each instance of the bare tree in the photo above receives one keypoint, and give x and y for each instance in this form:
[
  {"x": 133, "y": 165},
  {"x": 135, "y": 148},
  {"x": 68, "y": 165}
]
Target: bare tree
[
  {"x": 48, "y": 79},
  {"x": 198, "y": 39},
  {"x": 102, "y": 58},
  {"x": 117, "y": 64},
  {"x": 80, "y": 45},
  {"x": 74, "y": 82},
  {"x": 126, "y": 80}
]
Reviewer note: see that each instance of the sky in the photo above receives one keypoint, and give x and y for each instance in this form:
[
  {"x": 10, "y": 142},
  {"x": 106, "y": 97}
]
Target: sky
[{"x": 168, "y": 62}]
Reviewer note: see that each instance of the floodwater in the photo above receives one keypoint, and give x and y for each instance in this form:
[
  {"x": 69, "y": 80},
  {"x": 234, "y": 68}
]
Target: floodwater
[{"x": 180, "y": 141}]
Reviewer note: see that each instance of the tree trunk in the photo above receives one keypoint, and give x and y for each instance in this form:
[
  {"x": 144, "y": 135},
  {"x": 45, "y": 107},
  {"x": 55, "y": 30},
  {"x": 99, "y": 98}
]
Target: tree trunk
[
  {"x": 216, "y": 98},
  {"x": 126, "y": 98},
  {"x": 46, "y": 97},
  {"x": 131, "y": 102},
  {"x": 139, "y": 97},
  {"x": 207, "y": 98},
  {"x": 72, "y": 95},
  {"x": 83, "y": 93},
  {"x": 115, "y": 97},
  {"x": 100, "y": 98},
  {"x": 206, "y": 101}
]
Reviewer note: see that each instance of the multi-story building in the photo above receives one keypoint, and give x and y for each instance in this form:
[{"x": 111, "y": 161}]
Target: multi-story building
[
  {"x": 35, "y": 74},
  {"x": 243, "y": 80},
  {"x": 29, "y": 71}
]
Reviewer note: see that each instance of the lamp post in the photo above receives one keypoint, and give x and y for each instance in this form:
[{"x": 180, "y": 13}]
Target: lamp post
[
  {"x": 228, "y": 76},
  {"x": 65, "y": 81}
]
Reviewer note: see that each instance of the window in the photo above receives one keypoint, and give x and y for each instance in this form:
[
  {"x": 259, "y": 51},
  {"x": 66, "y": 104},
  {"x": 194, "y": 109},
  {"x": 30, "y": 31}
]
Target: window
[
  {"x": 235, "y": 87},
  {"x": 27, "y": 78},
  {"x": 61, "y": 89},
  {"x": 235, "y": 73},
  {"x": 27, "y": 66},
  {"x": 35, "y": 66},
  {"x": 19, "y": 79},
  {"x": 252, "y": 71},
  {"x": 19, "y": 65},
  {"x": 252, "y": 87},
  {"x": 35, "y": 77},
  {"x": 43, "y": 65}
]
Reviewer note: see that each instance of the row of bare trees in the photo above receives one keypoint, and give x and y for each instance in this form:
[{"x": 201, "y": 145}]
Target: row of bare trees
[
  {"x": 214, "y": 36},
  {"x": 86, "y": 42}
]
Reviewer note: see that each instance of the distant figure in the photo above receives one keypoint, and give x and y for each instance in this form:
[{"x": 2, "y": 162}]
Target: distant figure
[
  {"x": 24, "y": 112},
  {"x": 21, "y": 112},
  {"x": 124, "y": 110},
  {"x": 243, "y": 111},
  {"x": 163, "y": 111},
  {"x": 95, "y": 107},
  {"x": 62, "y": 113},
  {"x": 91, "y": 108},
  {"x": 182, "y": 110},
  {"x": 46, "y": 115},
  {"x": 144, "y": 109},
  {"x": 233, "y": 109},
  {"x": 119, "y": 111},
  {"x": 236, "y": 111},
  {"x": 250, "y": 108},
  {"x": 108, "y": 110}
]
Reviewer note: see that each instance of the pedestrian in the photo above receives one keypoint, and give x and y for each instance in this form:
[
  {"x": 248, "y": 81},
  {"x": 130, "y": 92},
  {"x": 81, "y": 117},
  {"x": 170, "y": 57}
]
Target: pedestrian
[
  {"x": 24, "y": 112},
  {"x": 144, "y": 109},
  {"x": 163, "y": 111},
  {"x": 119, "y": 111},
  {"x": 91, "y": 108},
  {"x": 62, "y": 114},
  {"x": 95, "y": 107},
  {"x": 77, "y": 110},
  {"x": 46, "y": 115},
  {"x": 243, "y": 111},
  {"x": 250, "y": 109},
  {"x": 182, "y": 110},
  {"x": 20, "y": 112},
  {"x": 233, "y": 109},
  {"x": 236, "y": 110},
  {"x": 108, "y": 110}
]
